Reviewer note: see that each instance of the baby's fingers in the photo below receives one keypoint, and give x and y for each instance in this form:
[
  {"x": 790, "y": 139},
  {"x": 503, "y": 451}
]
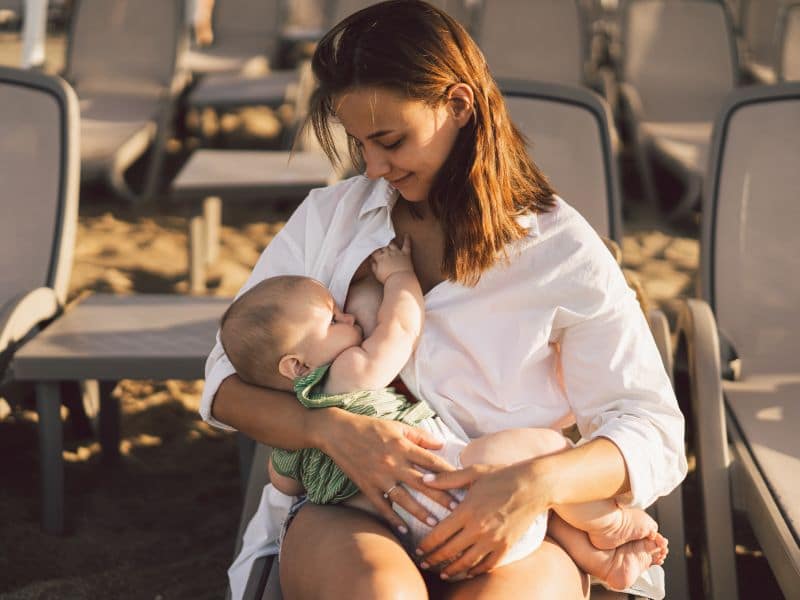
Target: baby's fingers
[{"x": 406, "y": 249}]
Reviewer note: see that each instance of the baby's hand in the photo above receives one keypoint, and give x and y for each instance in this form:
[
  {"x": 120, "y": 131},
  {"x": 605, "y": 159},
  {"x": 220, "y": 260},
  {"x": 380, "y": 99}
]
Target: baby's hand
[{"x": 391, "y": 259}]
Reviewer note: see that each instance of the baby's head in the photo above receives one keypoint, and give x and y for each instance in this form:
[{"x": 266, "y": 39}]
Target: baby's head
[{"x": 284, "y": 327}]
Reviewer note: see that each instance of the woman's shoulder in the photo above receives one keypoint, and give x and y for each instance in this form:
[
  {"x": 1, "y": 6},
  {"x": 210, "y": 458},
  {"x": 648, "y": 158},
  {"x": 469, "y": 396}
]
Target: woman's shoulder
[
  {"x": 567, "y": 246},
  {"x": 565, "y": 232}
]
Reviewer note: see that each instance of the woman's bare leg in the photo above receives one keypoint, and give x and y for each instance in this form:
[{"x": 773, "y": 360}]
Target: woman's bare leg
[
  {"x": 333, "y": 552},
  {"x": 545, "y": 574}
]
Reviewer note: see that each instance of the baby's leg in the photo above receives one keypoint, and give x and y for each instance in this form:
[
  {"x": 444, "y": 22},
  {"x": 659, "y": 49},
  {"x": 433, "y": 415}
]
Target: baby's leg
[
  {"x": 619, "y": 567},
  {"x": 607, "y": 524},
  {"x": 287, "y": 485},
  {"x": 512, "y": 446}
]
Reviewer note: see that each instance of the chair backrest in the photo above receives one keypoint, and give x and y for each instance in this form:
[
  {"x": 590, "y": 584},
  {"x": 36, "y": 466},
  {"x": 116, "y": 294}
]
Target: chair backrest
[
  {"x": 680, "y": 57},
  {"x": 539, "y": 40},
  {"x": 248, "y": 23},
  {"x": 789, "y": 44},
  {"x": 125, "y": 45},
  {"x": 339, "y": 9},
  {"x": 759, "y": 24},
  {"x": 750, "y": 214},
  {"x": 569, "y": 131},
  {"x": 39, "y": 178}
]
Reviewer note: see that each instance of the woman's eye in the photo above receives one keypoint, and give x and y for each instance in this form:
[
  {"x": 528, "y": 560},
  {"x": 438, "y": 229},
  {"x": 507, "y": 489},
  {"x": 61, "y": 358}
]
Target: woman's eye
[{"x": 394, "y": 145}]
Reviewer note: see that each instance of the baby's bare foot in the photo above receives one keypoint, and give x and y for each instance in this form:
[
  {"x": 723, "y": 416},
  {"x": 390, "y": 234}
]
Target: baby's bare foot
[
  {"x": 632, "y": 524},
  {"x": 623, "y": 565}
]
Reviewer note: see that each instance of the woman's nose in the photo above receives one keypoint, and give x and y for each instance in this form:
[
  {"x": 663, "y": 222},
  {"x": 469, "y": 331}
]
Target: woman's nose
[{"x": 377, "y": 165}]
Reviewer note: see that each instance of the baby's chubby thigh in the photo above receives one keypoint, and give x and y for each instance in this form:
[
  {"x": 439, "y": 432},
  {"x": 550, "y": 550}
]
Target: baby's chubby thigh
[
  {"x": 501, "y": 448},
  {"x": 512, "y": 446}
]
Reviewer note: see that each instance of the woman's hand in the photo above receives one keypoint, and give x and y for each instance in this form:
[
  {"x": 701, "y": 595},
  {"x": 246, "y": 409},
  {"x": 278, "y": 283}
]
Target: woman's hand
[
  {"x": 499, "y": 507},
  {"x": 377, "y": 455}
]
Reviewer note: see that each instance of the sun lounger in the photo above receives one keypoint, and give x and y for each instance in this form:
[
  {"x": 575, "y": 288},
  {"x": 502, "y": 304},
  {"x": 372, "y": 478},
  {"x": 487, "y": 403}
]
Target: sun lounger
[
  {"x": 573, "y": 141},
  {"x": 760, "y": 36},
  {"x": 39, "y": 170},
  {"x": 679, "y": 62},
  {"x": 240, "y": 67},
  {"x": 245, "y": 33},
  {"x": 539, "y": 40},
  {"x": 107, "y": 338},
  {"x": 211, "y": 176},
  {"x": 789, "y": 44},
  {"x": 740, "y": 344},
  {"x": 121, "y": 59}
]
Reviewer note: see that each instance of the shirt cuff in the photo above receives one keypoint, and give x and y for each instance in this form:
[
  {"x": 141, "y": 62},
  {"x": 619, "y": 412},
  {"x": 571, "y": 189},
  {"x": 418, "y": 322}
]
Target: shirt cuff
[{"x": 218, "y": 369}]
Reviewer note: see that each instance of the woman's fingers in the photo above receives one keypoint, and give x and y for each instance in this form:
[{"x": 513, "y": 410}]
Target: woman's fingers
[
  {"x": 402, "y": 497},
  {"x": 442, "y": 498},
  {"x": 452, "y": 549},
  {"x": 488, "y": 563},
  {"x": 462, "y": 565},
  {"x": 384, "y": 508},
  {"x": 445, "y": 530},
  {"x": 454, "y": 479}
]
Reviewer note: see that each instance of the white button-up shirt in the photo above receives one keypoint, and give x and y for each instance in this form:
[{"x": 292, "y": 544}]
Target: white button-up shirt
[{"x": 485, "y": 361}]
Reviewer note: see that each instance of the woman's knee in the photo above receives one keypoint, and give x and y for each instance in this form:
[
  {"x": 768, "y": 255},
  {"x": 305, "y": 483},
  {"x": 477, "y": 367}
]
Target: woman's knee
[
  {"x": 335, "y": 552},
  {"x": 547, "y": 573}
]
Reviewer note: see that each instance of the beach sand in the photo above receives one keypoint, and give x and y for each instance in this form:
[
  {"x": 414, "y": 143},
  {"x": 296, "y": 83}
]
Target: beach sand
[{"x": 160, "y": 523}]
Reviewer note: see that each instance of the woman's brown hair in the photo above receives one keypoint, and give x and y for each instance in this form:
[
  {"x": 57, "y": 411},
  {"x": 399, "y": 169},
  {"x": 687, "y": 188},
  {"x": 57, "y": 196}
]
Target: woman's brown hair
[{"x": 418, "y": 51}]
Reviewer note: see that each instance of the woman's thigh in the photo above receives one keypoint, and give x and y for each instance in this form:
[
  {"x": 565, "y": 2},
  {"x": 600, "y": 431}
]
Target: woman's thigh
[
  {"x": 547, "y": 573},
  {"x": 336, "y": 552}
]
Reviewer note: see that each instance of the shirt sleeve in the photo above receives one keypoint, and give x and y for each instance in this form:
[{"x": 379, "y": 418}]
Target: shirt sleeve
[
  {"x": 285, "y": 255},
  {"x": 617, "y": 385}
]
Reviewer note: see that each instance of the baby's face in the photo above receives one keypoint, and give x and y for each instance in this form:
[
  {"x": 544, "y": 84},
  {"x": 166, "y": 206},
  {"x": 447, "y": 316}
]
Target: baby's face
[{"x": 328, "y": 331}]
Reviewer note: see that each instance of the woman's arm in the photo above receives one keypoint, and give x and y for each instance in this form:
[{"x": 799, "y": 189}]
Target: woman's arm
[
  {"x": 503, "y": 501},
  {"x": 375, "y": 454}
]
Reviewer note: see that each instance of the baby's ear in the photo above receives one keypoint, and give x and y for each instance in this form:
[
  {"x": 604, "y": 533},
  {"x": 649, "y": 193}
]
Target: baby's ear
[{"x": 291, "y": 367}]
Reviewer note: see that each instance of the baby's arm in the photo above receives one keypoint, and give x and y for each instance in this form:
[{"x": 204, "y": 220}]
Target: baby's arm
[{"x": 381, "y": 356}]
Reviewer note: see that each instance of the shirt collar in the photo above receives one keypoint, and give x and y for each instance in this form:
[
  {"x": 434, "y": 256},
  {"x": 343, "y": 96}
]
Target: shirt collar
[{"x": 384, "y": 196}]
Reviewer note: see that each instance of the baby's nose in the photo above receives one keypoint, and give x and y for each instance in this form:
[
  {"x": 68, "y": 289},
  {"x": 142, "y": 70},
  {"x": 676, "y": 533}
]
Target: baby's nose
[{"x": 347, "y": 318}]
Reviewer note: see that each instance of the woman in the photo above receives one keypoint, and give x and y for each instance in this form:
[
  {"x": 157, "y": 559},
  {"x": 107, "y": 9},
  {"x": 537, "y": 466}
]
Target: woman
[{"x": 509, "y": 272}]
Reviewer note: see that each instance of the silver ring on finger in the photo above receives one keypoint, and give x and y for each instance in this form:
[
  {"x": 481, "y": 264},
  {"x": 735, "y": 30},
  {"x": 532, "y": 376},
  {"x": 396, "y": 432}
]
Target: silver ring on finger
[{"x": 388, "y": 492}]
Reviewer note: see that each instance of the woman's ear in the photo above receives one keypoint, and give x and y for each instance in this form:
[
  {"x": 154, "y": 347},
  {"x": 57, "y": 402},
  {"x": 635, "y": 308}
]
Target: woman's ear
[
  {"x": 291, "y": 367},
  {"x": 461, "y": 102}
]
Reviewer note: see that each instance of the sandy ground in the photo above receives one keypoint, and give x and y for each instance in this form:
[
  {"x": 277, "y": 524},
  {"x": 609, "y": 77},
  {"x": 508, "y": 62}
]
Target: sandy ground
[{"x": 160, "y": 523}]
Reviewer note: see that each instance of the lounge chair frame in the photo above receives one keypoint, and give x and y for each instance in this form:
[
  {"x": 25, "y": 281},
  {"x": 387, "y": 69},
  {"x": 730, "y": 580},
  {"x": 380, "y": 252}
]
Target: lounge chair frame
[
  {"x": 729, "y": 472},
  {"x": 156, "y": 134},
  {"x": 33, "y": 308},
  {"x": 591, "y": 103},
  {"x": 643, "y": 147}
]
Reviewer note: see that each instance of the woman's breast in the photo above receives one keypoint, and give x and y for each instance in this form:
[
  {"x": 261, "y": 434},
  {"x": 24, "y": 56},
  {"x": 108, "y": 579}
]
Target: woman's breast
[{"x": 488, "y": 368}]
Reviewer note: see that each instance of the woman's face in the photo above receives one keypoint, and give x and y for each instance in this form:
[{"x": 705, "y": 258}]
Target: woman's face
[{"x": 402, "y": 140}]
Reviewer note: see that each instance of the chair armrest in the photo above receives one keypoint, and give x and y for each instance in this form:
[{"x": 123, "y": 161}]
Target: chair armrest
[
  {"x": 23, "y": 312},
  {"x": 659, "y": 326},
  {"x": 631, "y": 101},
  {"x": 698, "y": 344}
]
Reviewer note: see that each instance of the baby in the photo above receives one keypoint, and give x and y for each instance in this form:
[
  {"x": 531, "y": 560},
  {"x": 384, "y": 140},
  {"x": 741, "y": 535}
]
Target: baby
[{"x": 288, "y": 333}]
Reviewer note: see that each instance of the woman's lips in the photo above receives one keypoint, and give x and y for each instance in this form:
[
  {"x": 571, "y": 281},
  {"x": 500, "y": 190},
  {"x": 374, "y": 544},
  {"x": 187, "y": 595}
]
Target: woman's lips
[{"x": 401, "y": 180}]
